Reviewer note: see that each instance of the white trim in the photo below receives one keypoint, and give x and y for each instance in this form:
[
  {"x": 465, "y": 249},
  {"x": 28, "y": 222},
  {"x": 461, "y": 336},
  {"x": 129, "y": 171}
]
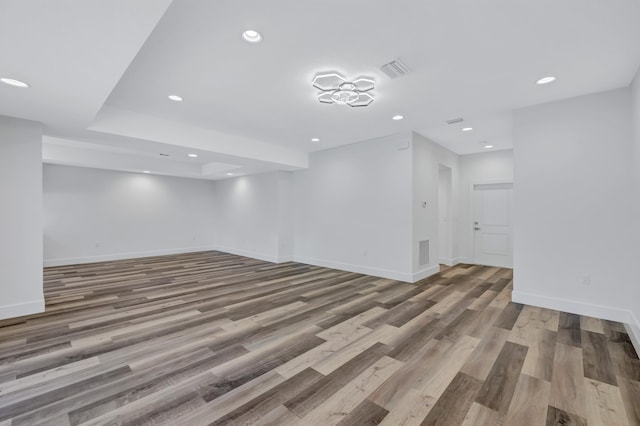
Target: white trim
[
  {"x": 571, "y": 306},
  {"x": 633, "y": 329},
  {"x": 367, "y": 270},
  {"x": 424, "y": 273},
  {"x": 251, "y": 254},
  {"x": 256, "y": 255},
  {"x": 121, "y": 256},
  {"x": 20, "y": 309},
  {"x": 465, "y": 260},
  {"x": 449, "y": 262}
]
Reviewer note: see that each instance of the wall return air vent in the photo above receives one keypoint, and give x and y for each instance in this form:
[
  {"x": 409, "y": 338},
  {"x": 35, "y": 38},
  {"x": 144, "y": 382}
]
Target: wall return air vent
[{"x": 395, "y": 69}]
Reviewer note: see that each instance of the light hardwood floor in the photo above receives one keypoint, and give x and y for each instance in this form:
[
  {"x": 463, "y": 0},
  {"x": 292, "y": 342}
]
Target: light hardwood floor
[{"x": 212, "y": 338}]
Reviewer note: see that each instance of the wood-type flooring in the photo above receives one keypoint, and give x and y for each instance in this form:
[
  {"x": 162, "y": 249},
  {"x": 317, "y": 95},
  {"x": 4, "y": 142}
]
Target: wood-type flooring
[{"x": 216, "y": 339}]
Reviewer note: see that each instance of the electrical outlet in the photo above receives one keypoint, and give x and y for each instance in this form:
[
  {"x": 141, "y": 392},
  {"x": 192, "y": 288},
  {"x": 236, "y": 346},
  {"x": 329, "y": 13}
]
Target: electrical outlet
[
  {"x": 97, "y": 244},
  {"x": 586, "y": 280}
]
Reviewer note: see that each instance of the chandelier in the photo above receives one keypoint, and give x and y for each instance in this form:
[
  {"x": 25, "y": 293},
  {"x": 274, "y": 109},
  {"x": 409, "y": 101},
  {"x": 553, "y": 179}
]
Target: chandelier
[{"x": 336, "y": 89}]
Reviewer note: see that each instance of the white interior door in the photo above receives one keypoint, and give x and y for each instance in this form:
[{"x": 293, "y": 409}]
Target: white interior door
[{"x": 492, "y": 224}]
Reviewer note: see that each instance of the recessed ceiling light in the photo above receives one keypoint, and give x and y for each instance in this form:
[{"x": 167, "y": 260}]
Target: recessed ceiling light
[
  {"x": 467, "y": 129},
  {"x": 13, "y": 82},
  {"x": 252, "y": 36},
  {"x": 175, "y": 98},
  {"x": 315, "y": 140},
  {"x": 146, "y": 171},
  {"x": 488, "y": 146},
  {"x": 545, "y": 80},
  {"x": 229, "y": 174},
  {"x": 397, "y": 117},
  {"x": 192, "y": 155}
]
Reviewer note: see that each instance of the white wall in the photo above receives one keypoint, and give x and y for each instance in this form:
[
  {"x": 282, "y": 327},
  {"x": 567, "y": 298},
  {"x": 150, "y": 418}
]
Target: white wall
[
  {"x": 572, "y": 205},
  {"x": 21, "y": 214},
  {"x": 353, "y": 208},
  {"x": 94, "y": 215},
  {"x": 445, "y": 216},
  {"x": 254, "y": 216},
  {"x": 487, "y": 167},
  {"x": 427, "y": 158},
  {"x": 635, "y": 299}
]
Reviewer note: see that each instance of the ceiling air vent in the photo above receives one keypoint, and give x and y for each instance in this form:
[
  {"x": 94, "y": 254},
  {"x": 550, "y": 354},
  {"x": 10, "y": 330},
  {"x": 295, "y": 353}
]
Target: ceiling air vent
[
  {"x": 395, "y": 69},
  {"x": 455, "y": 120}
]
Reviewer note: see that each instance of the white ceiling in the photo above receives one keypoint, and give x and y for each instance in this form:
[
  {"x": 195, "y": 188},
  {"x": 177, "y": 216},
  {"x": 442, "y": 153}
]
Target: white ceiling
[{"x": 101, "y": 71}]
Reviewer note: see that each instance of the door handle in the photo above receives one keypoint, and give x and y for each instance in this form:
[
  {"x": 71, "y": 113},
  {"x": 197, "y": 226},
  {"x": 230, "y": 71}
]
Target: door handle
[{"x": 476, "y": 228}]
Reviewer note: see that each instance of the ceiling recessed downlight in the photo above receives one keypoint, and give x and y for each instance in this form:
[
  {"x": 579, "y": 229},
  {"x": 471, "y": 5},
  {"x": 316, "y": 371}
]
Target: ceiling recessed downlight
[
  {"x": 546, "y": 80},
  {"x": 175, "y": 98},
  {"x": 192, "y": 155},
  {"x": 397, "y": 117},
  {"x": 229, "y": 174},
  {"x": 15, "y": 83},
  {"x": 315, "y": 140},
  {"x": 488, "y": 146},
  {"x": 467, "y": 129},
  {"x": 146, "y": 171},
  {"x": 252, "y": 36}
]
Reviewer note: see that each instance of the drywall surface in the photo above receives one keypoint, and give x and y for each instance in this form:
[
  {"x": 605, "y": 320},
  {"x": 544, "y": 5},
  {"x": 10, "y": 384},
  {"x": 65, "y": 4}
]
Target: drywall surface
[
  {"x": 573, "y": 179},
  {"x": 635, "y": 299},
  {"x": 487, "y": 167},
  {"x": 94, "y": 215},
  {"x": 426, "y": 161},
  {"x": 254, "y": 216},
  {"x": 353, "y": 208},
  {"x": 21, "y": 213}
]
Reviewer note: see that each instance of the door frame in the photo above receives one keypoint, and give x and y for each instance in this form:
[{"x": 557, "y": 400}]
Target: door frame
[{"x": 472, "y": 210}]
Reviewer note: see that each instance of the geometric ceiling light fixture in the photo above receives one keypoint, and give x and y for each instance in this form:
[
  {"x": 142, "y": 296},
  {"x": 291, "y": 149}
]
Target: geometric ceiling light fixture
[{"x": 338, "y": 90}]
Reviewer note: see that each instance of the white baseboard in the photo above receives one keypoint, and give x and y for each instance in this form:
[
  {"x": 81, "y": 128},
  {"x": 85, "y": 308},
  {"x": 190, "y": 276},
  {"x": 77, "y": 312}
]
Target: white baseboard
[
  {"x": 573, "y": 307},
  {"x": 360, "y": 269},
  {"x": 121, "y": 256},
  {"x": 21, "y": 309},
  {"x": 256, "y": 255},
  {"x": 424, "y": 273},
  {"x": 466, "y": 260},
  {"x": 633, "y": 329},
  {"x": 449, "y": 262}
]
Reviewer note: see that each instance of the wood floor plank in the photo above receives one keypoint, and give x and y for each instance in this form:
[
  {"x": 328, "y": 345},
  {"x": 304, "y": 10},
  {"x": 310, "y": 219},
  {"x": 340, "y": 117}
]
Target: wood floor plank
[
  {"x": 596, "y": 358},
  {"x": 342, "y": 403},
  {"x": 568, "y": 391},
  {"x": 569, "y": 331},
  {"x": 606, "y": 407},
  {"x": 451, "y": 408},
  {"x": 366, "y": 413},
  {"x": 498, "y": 388},
  {"x": 314, "y": 395},
  {"x": 530, "y": 402},
  {"x": 479, "y": 415},
  {"x": 214, "y": 338},
  {"x": 630, "y": 393},
  {"x": 558, "y": 417},
  {"x": 481, "y": 361}
]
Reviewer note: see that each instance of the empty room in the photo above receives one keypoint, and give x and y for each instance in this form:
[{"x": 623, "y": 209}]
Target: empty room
[{"x": 244, "y": 212}]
